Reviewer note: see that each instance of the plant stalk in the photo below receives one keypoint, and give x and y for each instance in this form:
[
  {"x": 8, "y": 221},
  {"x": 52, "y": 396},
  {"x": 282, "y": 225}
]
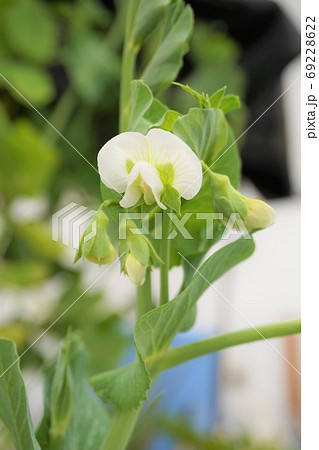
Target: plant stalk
[
  {"x": 121, "y": 429},
  {"x": 185, "y": 353},
  {"x": 130, "y": 51},
  {"x": 165, "y": 256},
  {"x": 144, "y": 301}
]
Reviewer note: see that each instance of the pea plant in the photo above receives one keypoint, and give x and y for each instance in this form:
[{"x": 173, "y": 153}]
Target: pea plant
[{"x": 169, "y": 185}]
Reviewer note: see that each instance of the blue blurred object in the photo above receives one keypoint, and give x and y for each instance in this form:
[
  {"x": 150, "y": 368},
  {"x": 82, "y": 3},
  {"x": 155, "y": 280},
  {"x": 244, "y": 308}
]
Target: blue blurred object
[{"x": 188, "y": 391}]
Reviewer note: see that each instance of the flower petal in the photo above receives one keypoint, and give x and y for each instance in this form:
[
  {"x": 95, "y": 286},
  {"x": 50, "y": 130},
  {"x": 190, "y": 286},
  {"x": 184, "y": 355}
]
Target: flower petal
[
  {"x": 143, "y": 179},
  {"x": 113, "y": 156},
  {"x": 165, "y": 147}
]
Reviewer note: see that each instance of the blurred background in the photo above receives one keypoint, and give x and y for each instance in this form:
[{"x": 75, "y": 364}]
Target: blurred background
[{"x": 60, "y": 62}]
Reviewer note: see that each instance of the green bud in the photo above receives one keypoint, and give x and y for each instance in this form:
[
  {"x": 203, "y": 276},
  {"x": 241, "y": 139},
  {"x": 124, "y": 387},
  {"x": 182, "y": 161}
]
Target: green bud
[
  {"x": 255, "y": 213},
  {"x": 134, "y": 269},
  {"x": 137, "y": 254},
  {"x": 260, "y": 214},
  {"x": 95, "y": 244}
]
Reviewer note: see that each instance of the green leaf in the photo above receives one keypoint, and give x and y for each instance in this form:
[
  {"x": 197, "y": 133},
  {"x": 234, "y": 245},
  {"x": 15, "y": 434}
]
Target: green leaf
[
  {"x": 155, "y": 330},
  {"x": 209, "y": 135},
  {"x": 155, "y": 114},
  {"x": 149, "y": 14},
  {"x": 14, "y": 409},
  {"x": 171, "y": 198},
  {"x": 167, "y": 59},
  {"x": 89, "y": 420},
  {"x": 126, "y": 386},
  {"x": 30, "y": 31},
  {"x": 148, "y": 112},
  {"x": 229, "y": 103},
  {"x": 216, "y": 98},
  {"x": 167, "y": 121},
  {"x": 141, "y": 100},
  {"x": 34, "y": 83}
]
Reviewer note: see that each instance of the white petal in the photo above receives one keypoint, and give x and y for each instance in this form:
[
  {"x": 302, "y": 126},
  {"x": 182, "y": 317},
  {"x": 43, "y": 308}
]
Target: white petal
[
  {"x": 143, "y": 179},
  {"x": 131, "y": 197},
  {"x": 114, "y": 154},
  {"x": 166, "y": 147},
  {"x": 135, "y": 270}
]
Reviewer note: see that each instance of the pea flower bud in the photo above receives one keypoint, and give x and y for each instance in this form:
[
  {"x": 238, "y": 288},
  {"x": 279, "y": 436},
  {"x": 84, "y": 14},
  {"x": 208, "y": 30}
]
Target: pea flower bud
[
  {"x": 255, "y": 213},
  {"x": 95, "y": 244},
  {"x": 138, "y": 253},
  {"x": 134, "y": 269}
]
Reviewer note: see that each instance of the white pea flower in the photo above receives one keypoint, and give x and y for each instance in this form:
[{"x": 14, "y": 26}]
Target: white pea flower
[{"x": 137, "y": 165}]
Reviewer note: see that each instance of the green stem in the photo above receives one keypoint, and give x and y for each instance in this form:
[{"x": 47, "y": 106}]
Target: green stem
[
  {"x": 144, "y": 296},
  {"x": 165, "y": 256},
  {"x": 179, "y": 355},
  {"x": 60, "y": 116},
  {"x": 56, "y": 440},
  {"x": 128, "y": 66},
  {"x": 121, "y": 429}
]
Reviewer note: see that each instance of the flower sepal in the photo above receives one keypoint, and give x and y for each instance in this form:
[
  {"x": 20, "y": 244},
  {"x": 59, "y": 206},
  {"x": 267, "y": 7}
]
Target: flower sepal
[{"x": 95, "y": 244}]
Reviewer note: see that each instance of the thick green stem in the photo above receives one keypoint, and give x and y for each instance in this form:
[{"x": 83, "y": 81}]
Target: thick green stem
[
  {"x": 165, "y": 256},
  {"x": 128, "y": 65},
  {"x": 121, "y": 429},
  {"x": 144, "y": 297},
  {"x": 185, "y": 353}
]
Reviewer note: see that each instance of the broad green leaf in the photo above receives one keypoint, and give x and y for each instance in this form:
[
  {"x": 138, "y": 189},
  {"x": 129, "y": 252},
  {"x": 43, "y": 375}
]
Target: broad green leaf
[
  {"x": 216, "y": 98},
  {"x": 126, "y": 386},
  {"x": 89, "y": 420},
  {"x": 209, "y": 135},
  {"x": 34, "y": 83},
  {"x": 229, "y": 103},
  {"x": 14, "y": 409},
  {"x": 167, "y": 59},
  {"x": 141, "y": 100},
  {"x": 154, "y": 115},
  {"x": 27, "y": 161},
  {"x": 148, "y": 15},
  {"x": 155, "y": 112},
  {"x": 30, "y": 31},
  {"x": 155, "y": 330}
]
